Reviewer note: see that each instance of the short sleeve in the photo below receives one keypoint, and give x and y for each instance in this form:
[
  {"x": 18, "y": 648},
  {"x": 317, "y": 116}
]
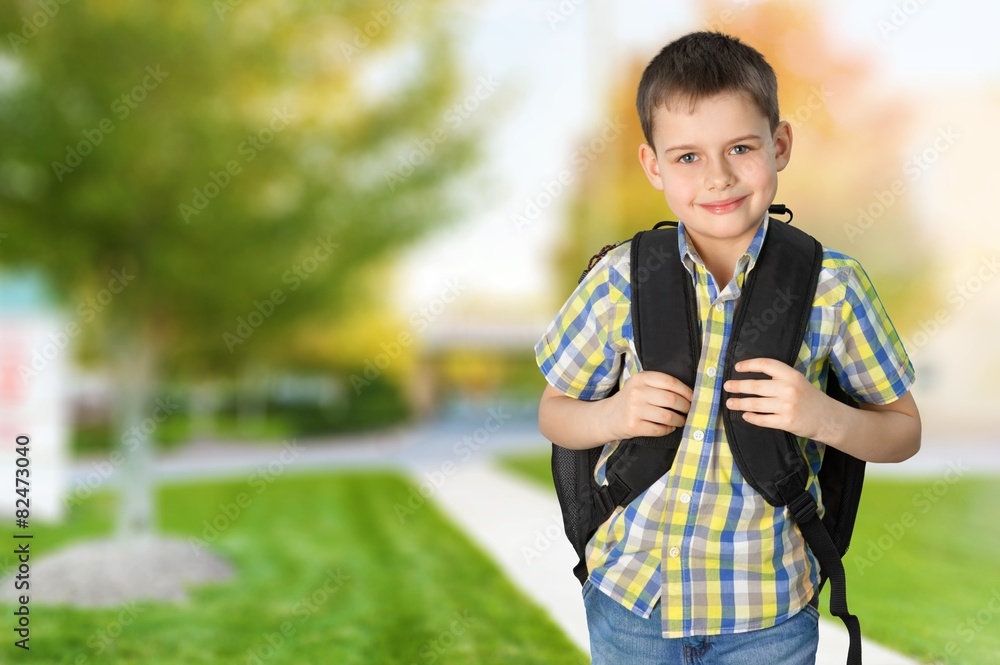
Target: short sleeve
[
  {"x": 867, "y": 354},
  {"x": 580, "y": 352}
]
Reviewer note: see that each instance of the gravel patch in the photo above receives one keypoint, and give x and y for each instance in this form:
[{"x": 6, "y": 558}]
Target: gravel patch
[{"x": 107, "y": 572}]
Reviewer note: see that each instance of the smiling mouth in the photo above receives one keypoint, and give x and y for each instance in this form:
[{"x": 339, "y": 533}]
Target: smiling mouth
[{"x": 722, "y": 207}]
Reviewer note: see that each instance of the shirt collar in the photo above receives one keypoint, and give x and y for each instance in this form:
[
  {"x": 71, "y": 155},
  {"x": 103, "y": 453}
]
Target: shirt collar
[{"x": 689, "y": 255}]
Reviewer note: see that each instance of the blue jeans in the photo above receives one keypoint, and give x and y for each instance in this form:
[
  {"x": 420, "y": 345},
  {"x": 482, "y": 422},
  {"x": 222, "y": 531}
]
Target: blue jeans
[{"x": 620, "y": 637}]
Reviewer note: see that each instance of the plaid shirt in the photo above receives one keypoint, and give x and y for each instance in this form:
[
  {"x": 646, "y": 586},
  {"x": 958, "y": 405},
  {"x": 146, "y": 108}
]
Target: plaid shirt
[{"x": 701, "y": 540}]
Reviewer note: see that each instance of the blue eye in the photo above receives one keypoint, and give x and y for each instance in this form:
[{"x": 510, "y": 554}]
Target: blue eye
[
  {"x": 745, "y": 148},
  {"x": 683, "y": 159}
]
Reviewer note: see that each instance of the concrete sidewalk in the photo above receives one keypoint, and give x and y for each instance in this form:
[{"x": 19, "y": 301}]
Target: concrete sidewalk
[
  {"x": 434, "y": 442},
  {"x": 523, "y": 533}
]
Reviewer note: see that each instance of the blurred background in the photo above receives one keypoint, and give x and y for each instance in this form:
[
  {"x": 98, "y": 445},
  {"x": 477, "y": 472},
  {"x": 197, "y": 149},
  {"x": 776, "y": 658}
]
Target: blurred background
[{"x": 272, "y": 271}]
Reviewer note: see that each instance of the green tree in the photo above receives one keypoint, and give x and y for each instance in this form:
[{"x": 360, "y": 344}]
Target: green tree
[{"x": 216, "y": 172}]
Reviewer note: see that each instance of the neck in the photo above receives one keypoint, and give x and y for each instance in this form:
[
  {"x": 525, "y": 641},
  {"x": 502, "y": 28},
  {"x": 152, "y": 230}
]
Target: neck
[
  {"x": 723, "y": 273},
  {"x": 720, "y": 255},
  {"x": 720, "y": 260}
]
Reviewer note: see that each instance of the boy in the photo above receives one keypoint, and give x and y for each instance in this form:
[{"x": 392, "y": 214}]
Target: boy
[{"x": 700, "y": 568}]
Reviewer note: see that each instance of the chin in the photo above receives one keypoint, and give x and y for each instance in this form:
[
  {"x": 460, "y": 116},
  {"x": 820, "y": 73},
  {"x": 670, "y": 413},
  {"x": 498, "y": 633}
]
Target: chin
[{"x": 735, "y": 222}]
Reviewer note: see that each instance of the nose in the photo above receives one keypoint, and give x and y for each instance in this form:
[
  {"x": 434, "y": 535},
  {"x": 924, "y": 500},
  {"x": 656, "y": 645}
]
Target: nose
[{"x": 719, "y": 175}]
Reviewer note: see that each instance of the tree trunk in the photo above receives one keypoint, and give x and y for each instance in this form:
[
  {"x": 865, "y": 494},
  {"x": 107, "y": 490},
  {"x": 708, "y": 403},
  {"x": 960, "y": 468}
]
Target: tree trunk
[
  {"x": 134, "y": 361},
  {"x": 251, "y": 399},
  {"x": 202, "y": 409}
]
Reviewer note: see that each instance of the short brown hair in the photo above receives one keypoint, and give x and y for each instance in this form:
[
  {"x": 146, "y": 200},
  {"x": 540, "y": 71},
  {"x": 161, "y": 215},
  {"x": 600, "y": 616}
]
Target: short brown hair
[{"x": 702, "y": 64}]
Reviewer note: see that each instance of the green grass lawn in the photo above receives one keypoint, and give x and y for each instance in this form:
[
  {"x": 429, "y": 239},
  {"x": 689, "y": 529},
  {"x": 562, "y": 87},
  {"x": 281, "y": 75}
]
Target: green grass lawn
[
  {"x": 409, "y": 592},
  {"x": 924, "y": 565}
]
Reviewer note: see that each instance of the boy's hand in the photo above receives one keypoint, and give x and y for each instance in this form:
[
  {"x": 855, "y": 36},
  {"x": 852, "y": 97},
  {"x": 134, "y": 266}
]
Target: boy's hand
[
  {"x": 649, "y": 404},
  {"x": 786, "y": 401}
]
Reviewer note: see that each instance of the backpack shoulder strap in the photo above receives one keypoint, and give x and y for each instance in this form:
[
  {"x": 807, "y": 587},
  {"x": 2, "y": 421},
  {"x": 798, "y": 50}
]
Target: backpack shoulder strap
[
  {"x": 664, "y": 317},
  {"x": 770, "y": 321},
  {"x": 664, "y": 306}
]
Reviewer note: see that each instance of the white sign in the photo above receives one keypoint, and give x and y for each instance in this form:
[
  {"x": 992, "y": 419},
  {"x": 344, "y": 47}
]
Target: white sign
[{"x": 34, "y": 403}]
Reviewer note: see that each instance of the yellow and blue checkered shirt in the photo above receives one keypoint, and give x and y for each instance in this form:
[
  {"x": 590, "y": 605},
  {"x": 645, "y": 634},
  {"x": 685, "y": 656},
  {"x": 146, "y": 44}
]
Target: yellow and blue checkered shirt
[{"x": 700, "y": 539}]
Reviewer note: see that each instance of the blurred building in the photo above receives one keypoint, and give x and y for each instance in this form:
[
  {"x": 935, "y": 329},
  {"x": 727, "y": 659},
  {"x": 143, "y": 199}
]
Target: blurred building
[
  {"x": 954, "y": 349},
  {"x": 35, "y": 352},
  {"x": 463, "y": 365}
]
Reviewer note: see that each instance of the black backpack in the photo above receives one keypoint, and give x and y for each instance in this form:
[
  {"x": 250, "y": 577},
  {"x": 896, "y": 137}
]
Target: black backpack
[{"x": 664, "y": 319}]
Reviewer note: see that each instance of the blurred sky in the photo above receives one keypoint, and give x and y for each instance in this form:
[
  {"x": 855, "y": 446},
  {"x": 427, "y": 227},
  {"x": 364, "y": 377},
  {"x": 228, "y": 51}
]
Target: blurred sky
[{"x": 553, "y": 77}]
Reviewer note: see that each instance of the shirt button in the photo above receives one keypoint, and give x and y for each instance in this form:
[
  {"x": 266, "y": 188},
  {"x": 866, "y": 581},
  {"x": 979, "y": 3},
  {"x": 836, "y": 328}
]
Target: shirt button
[
  {"x": 720, "y": 307},
  {"x": 674, "y": 552},
  {"x": 699, "y": 435},
  {"x": 710, "y": 371},
  {"x": 685, "y": 498}
]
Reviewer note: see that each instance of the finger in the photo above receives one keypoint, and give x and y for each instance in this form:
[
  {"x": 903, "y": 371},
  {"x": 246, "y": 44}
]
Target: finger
[
  {"x": 769, "y": 366},
  {"x": 653, "y": 429},
  {"x": 762, "y": 387},
  {"x": 668, "y": 382},
  {"x": 648, "y": 422},
  {"x": 661, "y": 416},
  {"x": 751, "y": 404},
  {"x": 762, "y": 420},
  {"x": 668, "y": 400}
]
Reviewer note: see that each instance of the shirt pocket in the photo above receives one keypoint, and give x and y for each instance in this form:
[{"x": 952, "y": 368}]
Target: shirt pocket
[{"x": 824, "y": 322}]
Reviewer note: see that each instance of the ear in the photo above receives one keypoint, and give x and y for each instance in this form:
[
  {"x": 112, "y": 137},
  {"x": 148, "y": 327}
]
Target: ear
[
  {"x": 782, "y": 144},
  {"x": 647, "y": 158}
]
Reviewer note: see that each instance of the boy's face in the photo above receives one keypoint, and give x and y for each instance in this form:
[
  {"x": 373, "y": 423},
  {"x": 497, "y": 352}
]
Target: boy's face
[{"x": 717, "y": 167}]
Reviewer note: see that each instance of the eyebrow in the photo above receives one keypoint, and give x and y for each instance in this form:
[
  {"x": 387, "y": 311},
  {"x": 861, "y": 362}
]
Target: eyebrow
[{"x": 694, "y": 147}]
